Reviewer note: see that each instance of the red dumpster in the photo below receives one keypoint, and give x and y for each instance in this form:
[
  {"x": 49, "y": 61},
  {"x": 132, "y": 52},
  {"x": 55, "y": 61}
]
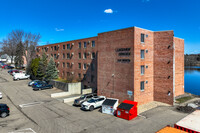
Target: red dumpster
[{"x": 127, "y": 110}]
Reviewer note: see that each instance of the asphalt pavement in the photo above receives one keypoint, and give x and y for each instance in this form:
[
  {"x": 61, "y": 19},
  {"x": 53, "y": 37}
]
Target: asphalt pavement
[{"x": 37, "y": 112}]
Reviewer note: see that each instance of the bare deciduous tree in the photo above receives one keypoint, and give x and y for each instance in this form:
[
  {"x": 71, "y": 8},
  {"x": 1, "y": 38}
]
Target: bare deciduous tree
[
  {"x": 29, "y": 41},
  {"x": 9, "y": 48}
]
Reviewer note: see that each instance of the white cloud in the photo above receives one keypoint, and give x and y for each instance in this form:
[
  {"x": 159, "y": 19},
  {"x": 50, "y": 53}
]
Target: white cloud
[
  {"x": 56, "y": 29},
  {"x": 108, "y": 11}
]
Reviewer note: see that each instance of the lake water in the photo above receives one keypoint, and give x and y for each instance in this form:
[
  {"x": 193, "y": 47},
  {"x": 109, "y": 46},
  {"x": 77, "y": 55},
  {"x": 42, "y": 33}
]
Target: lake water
[{"x": 192, "y": 80}]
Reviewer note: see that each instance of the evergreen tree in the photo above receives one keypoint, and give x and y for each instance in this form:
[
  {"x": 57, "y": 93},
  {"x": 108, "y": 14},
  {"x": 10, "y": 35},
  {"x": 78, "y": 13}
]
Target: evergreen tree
[
  {"x": 34, "y": 67},
  {"x": 41, "y": 71},
  {"x": 44, "y": 60},
  {"x": 19, "y": 60},
  {"x": 51, "y": 71}
]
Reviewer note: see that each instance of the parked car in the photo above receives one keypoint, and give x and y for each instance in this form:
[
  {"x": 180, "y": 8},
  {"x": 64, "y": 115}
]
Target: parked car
[
  {"x": 4, "y": 66},
  {"x": 4, "y": 110},
  {"x": 13, "y": 72},
  {"x": 10, "y": 67},
  {"x": 21, "y": 76},
  {"x": 1, "y": 95},
  {"x": 42, "y": 86},
  {"x": 10, "y": 71},
  {"x": 93, "y": 103},
  {"x": 84, "y": 98},
  {"x": 39, "y": 82},
  {"x": 32, "y": 82}
]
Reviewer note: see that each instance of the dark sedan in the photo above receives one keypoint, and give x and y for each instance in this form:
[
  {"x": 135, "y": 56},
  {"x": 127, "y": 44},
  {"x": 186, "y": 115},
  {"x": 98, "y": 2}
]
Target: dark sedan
[
  {"x": 42, "y": 86},
  {"x": 10, "y": 67},
  {"x": 4, "y": 110}
]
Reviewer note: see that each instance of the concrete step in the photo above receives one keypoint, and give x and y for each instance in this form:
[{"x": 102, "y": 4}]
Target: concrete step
[
  {"x": 60, "y": 94},
  {"x": 71, "y": 98}
]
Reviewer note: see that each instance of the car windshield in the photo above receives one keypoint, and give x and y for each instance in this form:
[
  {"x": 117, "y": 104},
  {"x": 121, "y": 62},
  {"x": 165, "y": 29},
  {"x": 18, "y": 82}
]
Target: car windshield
[{"x": 91, "y": 101}]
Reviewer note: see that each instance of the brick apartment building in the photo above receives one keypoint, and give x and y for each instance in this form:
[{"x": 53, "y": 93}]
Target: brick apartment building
[{"x": 132, "y": 63}]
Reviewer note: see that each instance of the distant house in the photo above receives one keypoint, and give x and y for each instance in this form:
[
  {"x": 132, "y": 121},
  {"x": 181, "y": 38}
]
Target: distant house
[{"x": 6, "y": 59}]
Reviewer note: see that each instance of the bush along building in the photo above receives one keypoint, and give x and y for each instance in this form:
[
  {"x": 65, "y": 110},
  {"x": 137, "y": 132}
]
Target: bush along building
[{"x": 132, "y": 63}]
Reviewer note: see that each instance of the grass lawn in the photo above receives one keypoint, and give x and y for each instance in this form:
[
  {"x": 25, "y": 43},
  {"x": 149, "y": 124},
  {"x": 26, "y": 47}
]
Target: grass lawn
[{"x": 184, "y": 99}]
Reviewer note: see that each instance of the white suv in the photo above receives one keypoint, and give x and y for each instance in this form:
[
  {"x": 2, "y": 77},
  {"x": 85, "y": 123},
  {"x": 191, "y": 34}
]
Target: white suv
[
  {"x": 1, "y": 95},
  {"x": 21, "y": 76},
  {"x": 93, "y": 103}
]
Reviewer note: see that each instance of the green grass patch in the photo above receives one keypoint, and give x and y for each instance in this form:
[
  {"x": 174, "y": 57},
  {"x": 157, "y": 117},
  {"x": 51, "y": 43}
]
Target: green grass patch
[
  {"x": 66, "y": 81},
  {"x": 183, "y": 99}
]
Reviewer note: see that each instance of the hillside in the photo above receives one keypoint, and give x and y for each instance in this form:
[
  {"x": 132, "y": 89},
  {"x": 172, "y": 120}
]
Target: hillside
[{"x": 192, "y": 60}]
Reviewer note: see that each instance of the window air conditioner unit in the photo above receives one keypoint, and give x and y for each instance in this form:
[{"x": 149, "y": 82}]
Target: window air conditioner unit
[
  {"x": 58, "y": 71},
  {"x": 72, "y": 72},
  {"x": 58, "y": 53},
  {"x": 58, "y": 62},
  {"x": 72, "y": 43},
  {"x": 72, "y": 53},
  {"x": 72, "y": 63}
]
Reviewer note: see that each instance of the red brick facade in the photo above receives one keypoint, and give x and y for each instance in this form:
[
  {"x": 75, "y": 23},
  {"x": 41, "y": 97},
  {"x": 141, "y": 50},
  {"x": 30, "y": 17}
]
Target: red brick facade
[{"x": 126, "y": 66}]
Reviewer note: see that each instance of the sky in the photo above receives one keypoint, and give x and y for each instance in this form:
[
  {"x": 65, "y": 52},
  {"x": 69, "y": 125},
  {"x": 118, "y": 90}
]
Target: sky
[{"x": 64, "y": 20}]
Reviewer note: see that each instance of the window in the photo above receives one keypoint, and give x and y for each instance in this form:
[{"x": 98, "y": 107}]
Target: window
[
  {"x": 63, "y": 64},
  {"x": 51, "y": 55},
  {"x": 147, "y": 51},
  {"x": 68, "y": 46},
  {"x": 142, "y": 38},
  {"x": 79, "y": 45},
  {"x": 146, "y": 66},
  {"x": 93, "y": 44},
  {"x": 54, "y": 56},
  {"x": 84, "y": 55},
  {"x": 68, "y": 55},
  {"x": 79, "y": 75},
  {"x": 93, "y": 55},
  {"x": 54, "y": 47},
  {"x": 142, "y": 70},
  {"x": 68, "y": 65},
  {"x": 92, "y": 67},
  {"x": 84, "y": 66},
  {"x": 51, "y": 48},
  {"x": 79, "y": 65},
  {"x": 142, "y": 85},
  {"x": 63, "y": 56},
  {"x": 92, "y": 78},
  {"x": 68, "y": 74},
  {"x": 142, "y": 54},
  {"x": 79, "y": 55},
  {"x": 85, "y": 44},
  {"x": 63, "y": 46}
]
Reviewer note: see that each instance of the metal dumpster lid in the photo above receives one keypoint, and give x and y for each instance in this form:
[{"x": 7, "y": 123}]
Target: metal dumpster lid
[
  {"x": 125, "y": 106},
  {"x": 109, "y": 102}
]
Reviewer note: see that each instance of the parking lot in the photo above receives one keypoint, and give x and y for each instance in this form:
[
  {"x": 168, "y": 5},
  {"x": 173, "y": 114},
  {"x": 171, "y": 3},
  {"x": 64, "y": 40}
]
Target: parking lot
[{"x": 36, "y": 111}]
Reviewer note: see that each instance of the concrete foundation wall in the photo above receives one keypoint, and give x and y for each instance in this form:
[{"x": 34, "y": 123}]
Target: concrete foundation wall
[{"x": 74, "y": 88}]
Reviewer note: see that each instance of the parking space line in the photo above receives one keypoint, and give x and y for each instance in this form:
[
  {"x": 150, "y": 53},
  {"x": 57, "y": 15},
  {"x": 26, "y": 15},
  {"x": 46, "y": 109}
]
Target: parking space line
[
  {"x": 30, "y": 104},
  {"x": 26, "y": 130}
]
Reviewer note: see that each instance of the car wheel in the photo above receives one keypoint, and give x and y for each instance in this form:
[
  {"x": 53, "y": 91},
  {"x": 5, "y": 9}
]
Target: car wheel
[
  {"x": 91, "y": 108},
  {"x": 4, "y": 114}
]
